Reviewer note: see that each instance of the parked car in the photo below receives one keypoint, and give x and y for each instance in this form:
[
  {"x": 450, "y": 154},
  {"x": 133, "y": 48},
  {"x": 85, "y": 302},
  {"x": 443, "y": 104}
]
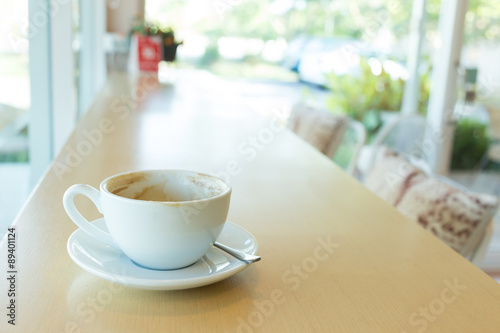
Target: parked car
[{"x": 313, "y": 58}]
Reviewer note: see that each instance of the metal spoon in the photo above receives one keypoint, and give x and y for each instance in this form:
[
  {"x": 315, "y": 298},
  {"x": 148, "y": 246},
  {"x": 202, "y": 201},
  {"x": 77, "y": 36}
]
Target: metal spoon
[{"x": 249, "y": 258}]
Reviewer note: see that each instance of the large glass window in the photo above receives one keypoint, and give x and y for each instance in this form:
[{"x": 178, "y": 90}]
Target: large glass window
[
  {"x": 14, "y": 107},
  {"x": 23, "y": 145}
]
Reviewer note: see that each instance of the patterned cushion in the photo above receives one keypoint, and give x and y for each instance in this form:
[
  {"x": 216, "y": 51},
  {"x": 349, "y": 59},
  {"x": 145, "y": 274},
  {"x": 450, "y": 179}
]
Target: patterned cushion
[
  {"x": 454, "y": 216},
  {"x": 391, "y": 176},
  {"x": 319, "y": 128},
  {"x": 450, "y": 214}
]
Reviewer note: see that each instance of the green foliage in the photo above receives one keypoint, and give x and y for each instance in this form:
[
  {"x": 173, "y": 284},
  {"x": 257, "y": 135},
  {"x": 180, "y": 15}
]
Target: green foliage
[
  {"x": 362, "y": 96},
  {"x": 210, "y": 56},
  {"x": 346, "y": 148},
  {"x": 18, "y": 157},
  {"x": 425, "y": 88},
  {"x": 248, "y": 19},
  {"x": 360, "y": 19},
  {"x": 151, "y": 28},
  {"x": 355, "y": 95},
  {"x": 470, "y": 143},
  {"x": 372, "y": 122},
  {"x": 482, "y": 20}
]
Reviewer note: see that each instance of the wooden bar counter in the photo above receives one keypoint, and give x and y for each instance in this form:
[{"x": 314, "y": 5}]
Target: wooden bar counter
[{"x": 335, "y": 258}]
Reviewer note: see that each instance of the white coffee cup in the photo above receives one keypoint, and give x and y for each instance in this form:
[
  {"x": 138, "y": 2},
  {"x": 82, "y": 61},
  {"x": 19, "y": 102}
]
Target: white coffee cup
[{"x": 161, "y": 219}]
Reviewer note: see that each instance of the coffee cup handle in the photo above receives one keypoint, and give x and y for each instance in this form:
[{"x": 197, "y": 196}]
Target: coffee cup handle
[{"x": 95, "y": 196}]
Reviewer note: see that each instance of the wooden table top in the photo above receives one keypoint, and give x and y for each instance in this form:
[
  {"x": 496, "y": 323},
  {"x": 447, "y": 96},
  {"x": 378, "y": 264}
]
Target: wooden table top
[{"x": 335, "y": 257}]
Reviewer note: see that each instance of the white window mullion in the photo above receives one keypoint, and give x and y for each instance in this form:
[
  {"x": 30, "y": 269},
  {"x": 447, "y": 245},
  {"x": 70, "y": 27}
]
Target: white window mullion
[
  {"x": 40, "y": 54},
  {"x": 444, "y": 84},
  {"x": 53, "y": 109},
  {"x": 63, "y": 74},
  {"x": 92, "y": 54}
]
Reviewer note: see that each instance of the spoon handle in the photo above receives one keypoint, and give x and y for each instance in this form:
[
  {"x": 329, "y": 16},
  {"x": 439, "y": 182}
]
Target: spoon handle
[{"x": 249, "y": 258}]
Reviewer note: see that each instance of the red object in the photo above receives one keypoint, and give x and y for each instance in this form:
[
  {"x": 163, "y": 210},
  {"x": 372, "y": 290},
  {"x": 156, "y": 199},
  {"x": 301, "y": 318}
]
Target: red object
[{"x": 149, "y": 50}]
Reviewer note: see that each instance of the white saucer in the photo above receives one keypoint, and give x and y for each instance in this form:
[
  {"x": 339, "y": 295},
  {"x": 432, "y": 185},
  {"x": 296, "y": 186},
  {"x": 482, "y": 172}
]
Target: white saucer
[{"x": 114, "y": 265}]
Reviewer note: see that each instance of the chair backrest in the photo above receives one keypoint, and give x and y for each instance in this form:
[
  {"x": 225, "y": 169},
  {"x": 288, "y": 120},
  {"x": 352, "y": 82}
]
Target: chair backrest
[
  {"x": 12, "y": 120},
  {"x": 332, "y": 135},
  {"x": 404, "y": 134},
  {"x": 479, "y": 251}
]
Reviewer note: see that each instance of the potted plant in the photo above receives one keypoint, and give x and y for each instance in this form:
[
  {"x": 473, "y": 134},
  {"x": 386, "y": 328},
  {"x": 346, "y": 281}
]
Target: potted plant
[
  {"x": 166, "y": 34},
  {"x": 169, "y": 44}
]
